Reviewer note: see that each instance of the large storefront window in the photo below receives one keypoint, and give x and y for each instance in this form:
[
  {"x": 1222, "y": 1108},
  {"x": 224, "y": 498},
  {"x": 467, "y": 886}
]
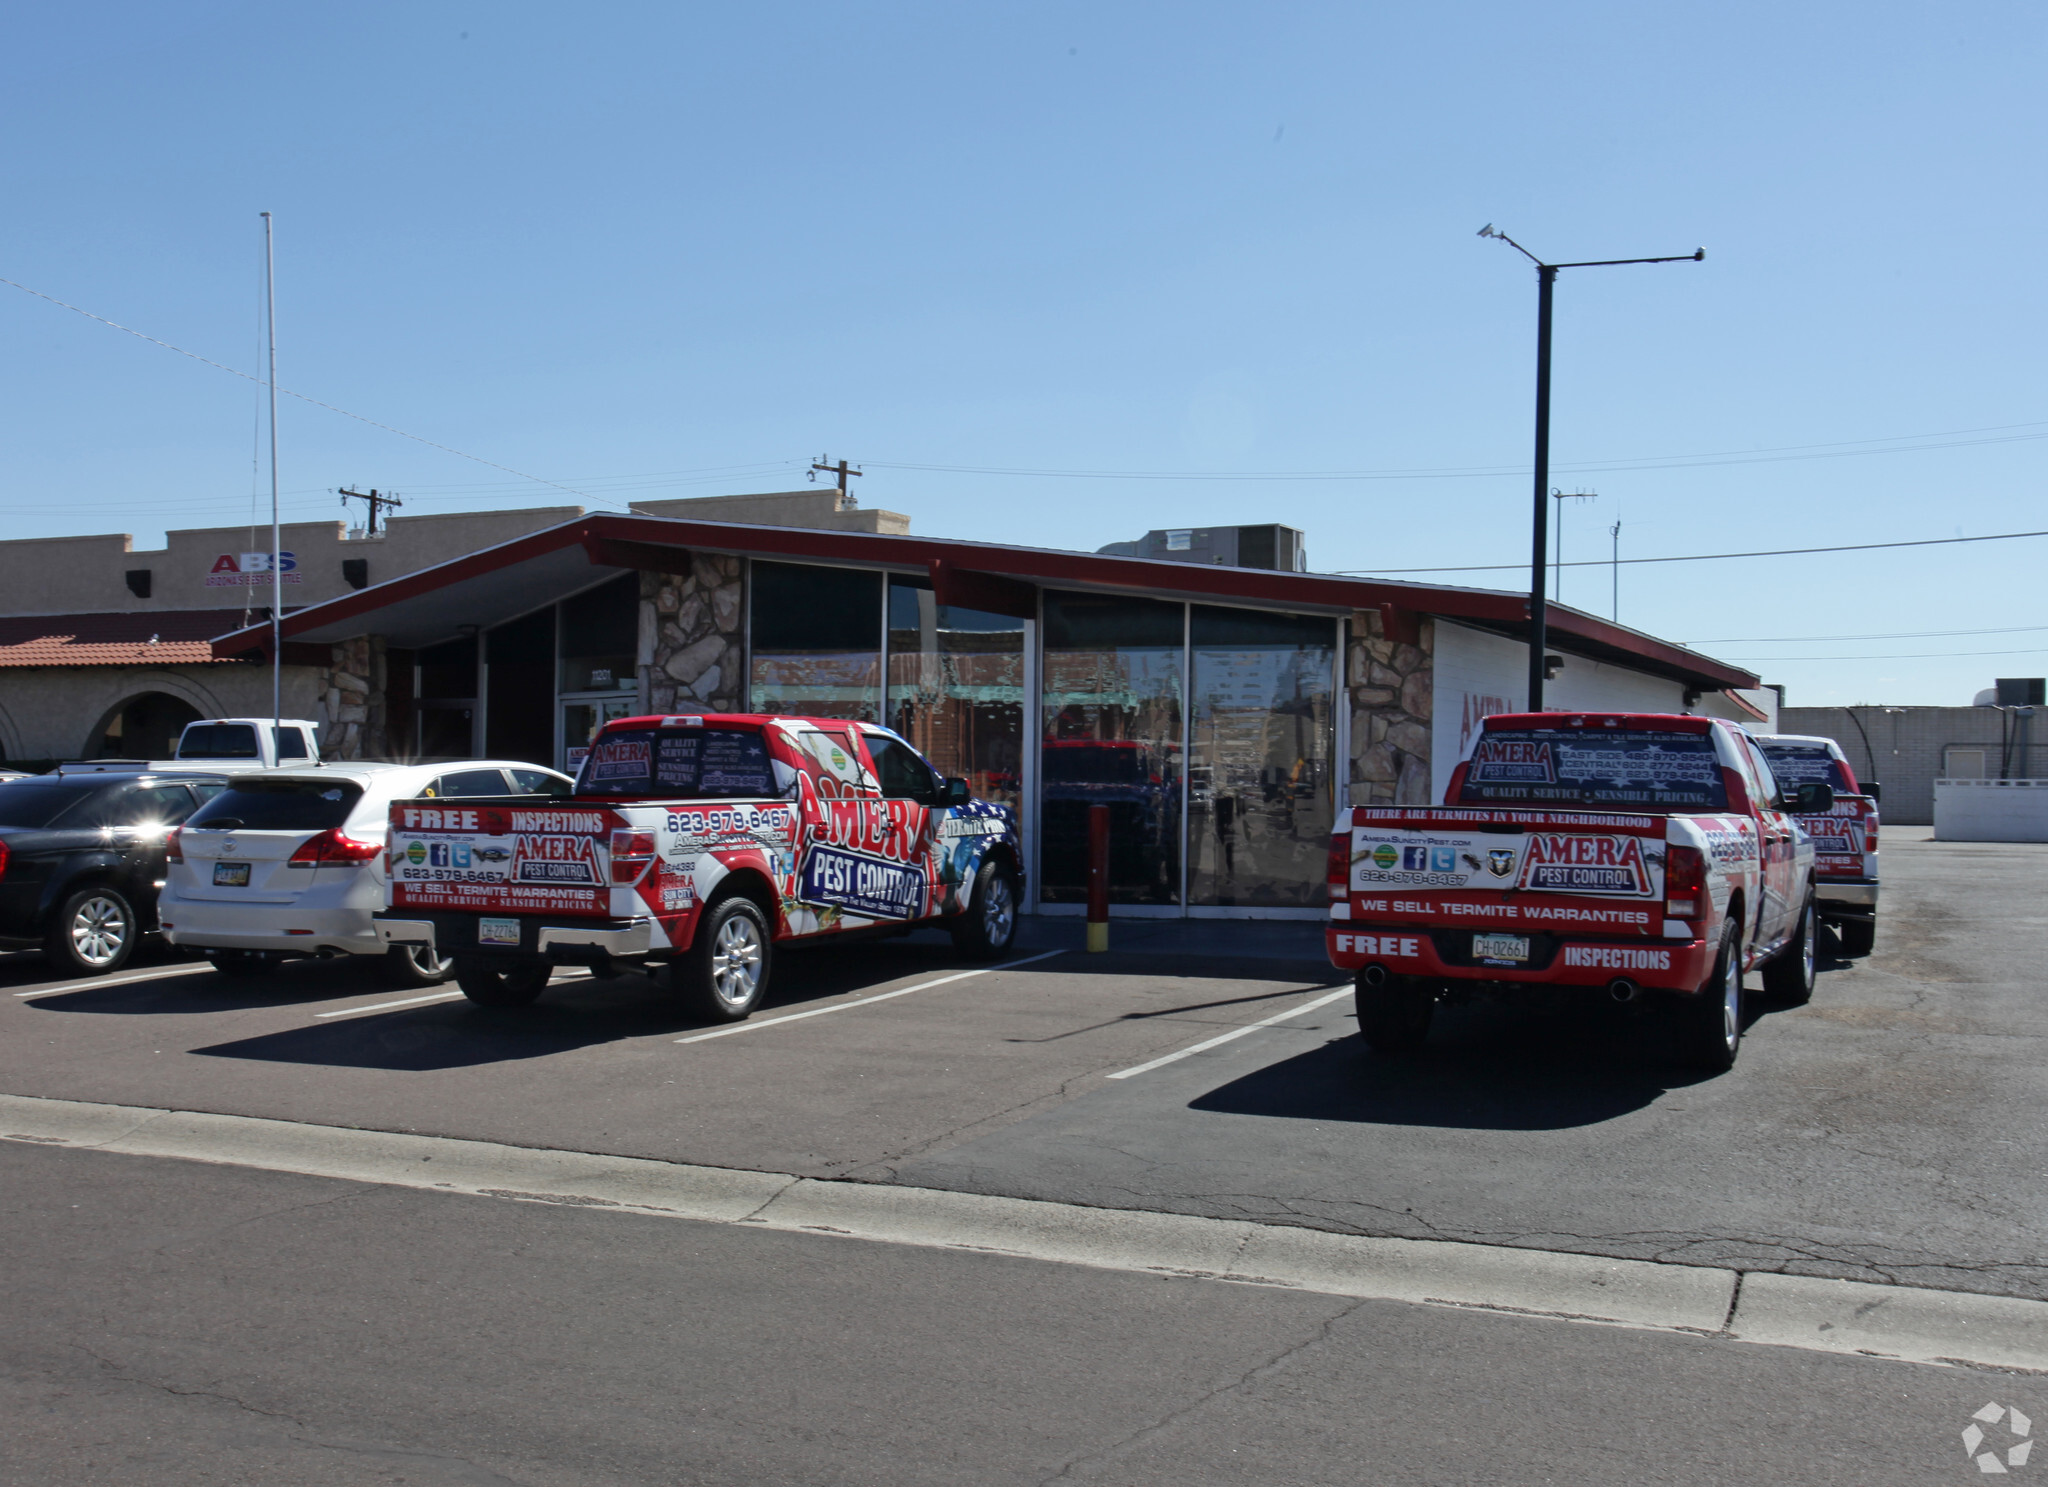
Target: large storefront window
[
  {"x": 1112, "y": 736},
  {"x": 1259, "y": 744},
  {"x": 816, "y": 642},
  {"x": 956, "y": 688}
]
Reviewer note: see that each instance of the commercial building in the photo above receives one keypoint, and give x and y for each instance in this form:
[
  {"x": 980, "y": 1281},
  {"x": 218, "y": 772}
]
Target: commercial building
[
  {"x": 1906, "y": 749},
  {"x": 1221, "y": 712}
]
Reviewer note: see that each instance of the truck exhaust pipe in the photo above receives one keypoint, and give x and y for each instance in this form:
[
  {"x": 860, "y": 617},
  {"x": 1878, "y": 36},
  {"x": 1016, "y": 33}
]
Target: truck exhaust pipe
[
  {"x": 1623, "y": 990},
  {"x": 1374, "y": 975}
]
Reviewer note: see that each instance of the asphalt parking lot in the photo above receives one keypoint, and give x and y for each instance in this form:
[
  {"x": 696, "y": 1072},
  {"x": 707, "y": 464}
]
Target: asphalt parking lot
[{"x": 1891, "y": 1130}]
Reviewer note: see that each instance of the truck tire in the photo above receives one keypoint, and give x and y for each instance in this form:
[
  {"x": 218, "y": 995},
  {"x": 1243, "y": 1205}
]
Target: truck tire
[
  {"x": 1857, "y": 937},
  {"x": 1394, "y": 1016},
  {"x": 723, "y": 976},
  {"x": 406, "y": 966},
  {"x": 1706, "y": 1027},
  {"x": 986, "y": 928},
  {"x": 502, "y": 981},
  {"x": 1788, "y": 975},
  {"x": 93, "y": 933}
]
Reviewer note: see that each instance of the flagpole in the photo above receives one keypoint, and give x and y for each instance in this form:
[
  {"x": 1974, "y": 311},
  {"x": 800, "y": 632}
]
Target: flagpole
[{"x": 276, "y": 532}]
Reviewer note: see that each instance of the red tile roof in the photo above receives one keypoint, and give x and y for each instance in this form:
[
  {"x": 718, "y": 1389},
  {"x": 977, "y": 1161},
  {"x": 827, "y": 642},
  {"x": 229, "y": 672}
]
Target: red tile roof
[{"x": 164, "y": 637}]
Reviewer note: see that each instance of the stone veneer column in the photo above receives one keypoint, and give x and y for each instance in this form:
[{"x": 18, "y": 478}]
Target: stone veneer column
[
  {"x": 351, "y": 706},
  {"x": 692, "y": 628},
  {"x": 1391, "y": 688}
]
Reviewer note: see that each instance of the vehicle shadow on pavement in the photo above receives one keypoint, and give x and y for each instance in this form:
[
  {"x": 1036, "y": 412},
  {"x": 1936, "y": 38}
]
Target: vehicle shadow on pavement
[
  {"x": 211, "y": 992},
  {"x": 1483, "y": 1068}
]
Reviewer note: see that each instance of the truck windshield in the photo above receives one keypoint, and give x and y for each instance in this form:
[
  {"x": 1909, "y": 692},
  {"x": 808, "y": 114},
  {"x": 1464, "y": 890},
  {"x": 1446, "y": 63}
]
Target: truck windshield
[
  {"x": 1796, "y": 763},
  {"x": 680, "y": 763},
  {"x": 1620, "y": 769},
  {"x": 218, "y": 741}
]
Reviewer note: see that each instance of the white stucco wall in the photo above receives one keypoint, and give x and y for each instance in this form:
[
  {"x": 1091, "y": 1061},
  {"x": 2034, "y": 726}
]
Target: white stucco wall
[
  {"x": 54, "y": 712},
  {"x": 1479, "y": 674}
]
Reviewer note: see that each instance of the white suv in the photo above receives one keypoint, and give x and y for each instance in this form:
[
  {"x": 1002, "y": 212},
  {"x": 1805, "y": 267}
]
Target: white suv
[{"x": 290, "y": 863}]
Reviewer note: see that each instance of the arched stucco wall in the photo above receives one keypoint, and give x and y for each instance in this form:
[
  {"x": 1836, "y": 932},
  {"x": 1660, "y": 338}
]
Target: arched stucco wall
[{"x": 54, "y": 708}]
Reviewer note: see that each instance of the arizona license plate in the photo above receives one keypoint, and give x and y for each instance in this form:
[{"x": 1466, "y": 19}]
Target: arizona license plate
[
  {"x": 497, "y": 931},
  {"x": 231, "y": 875},
  {"x": 1500, "y": 947}
]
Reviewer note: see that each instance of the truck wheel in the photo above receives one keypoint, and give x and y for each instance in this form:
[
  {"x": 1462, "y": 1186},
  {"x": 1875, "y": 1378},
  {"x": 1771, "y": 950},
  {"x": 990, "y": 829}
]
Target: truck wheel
[
  {"x": 1394, "y": 1016},
  {"x": 989, "y": 923},
  {"x": 93, "y": 933},
  {"x": 1788, "y": 975},
  {"x": 491, "y": 981},
  {"x": 1857, "y": 937},
  {"x": 1706, "y": 1027},
  {"x": 414, "y": 965},
  {"x": 724, "y": 974}
]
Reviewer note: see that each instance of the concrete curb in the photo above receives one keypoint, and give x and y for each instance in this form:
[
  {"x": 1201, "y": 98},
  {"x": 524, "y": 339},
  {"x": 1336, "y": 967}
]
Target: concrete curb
[{"x": 1793, "y": 1311}]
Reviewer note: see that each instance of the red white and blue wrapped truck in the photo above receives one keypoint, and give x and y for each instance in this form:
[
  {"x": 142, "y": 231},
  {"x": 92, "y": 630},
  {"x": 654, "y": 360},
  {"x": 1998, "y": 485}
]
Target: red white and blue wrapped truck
[
  {"x": 704, "y": 841},
  {"x": 1642, "y": 856},
  {"x": 1844, "y": 835}
]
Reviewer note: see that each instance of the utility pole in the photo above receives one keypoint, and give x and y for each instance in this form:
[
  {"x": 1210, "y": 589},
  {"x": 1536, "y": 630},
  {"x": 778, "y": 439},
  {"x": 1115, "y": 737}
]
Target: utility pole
[
  {"x": 374, "y": 500},
  {"x": 276, "y": 530},
  {"x": 842, "y": 470},
  {"x": 1615, "y": 532},
  {"x": 1557, "y": 541}
]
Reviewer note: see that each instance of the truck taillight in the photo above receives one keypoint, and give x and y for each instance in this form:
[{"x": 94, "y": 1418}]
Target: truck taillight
[
  {"x": 632, "y": 851},
  {"x": 1870, "y": 833},
  {"x": 1685, "y": 881},
  {"x": 332, "y": 846},
  {"x": 1339, "y": 870},
  {"x": 3, "y": 859},
  {"x": 173, "y": 852}
]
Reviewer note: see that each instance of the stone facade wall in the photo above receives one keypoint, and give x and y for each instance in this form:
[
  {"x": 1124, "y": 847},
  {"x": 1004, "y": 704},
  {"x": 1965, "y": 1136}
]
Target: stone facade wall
[
  {"x": 350, "y": 705},
  {"x": 1391, "y": 685},
  {"x": 692, "y": 636}
]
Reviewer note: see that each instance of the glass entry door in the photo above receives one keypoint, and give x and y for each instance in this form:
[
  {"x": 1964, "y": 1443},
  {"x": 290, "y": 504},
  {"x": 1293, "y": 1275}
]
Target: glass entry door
[{"x": 582, "y": 717}]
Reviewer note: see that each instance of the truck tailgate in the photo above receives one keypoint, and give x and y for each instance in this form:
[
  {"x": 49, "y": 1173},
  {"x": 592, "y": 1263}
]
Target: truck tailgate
[{"x": 530, "y": 859}]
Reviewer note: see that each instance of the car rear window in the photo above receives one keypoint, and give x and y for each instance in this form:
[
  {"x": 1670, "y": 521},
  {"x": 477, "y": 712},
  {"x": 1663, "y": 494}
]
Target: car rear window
[
  {"x": 1618, "y": 768},
  {"x": 687, "y": 763},
  {"x": 277, "y": 805},
  {"x": 1796, "y": 764},
  {"x": 218, "y": 741},
  {"x": 33, "y": 804}
]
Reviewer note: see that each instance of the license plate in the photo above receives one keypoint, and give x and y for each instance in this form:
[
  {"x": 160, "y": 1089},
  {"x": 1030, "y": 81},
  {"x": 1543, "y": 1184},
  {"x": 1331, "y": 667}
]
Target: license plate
[
  {"x": 1500, "y": 947},
  {"x": 497, "y": 931},
  {"x": 231, "y": 875}
]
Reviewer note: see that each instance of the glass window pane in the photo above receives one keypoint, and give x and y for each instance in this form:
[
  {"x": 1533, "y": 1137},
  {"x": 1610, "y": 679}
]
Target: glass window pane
[
  {"x": 956, "y": 689},
  {"x": 600, "y": 635},
  {"x": 1260, "y": 785},
  {"x": 469, "y": 782},
  {"x": 815, "y": 642},
  {"x": 904, "y": 776},
  {"x": 1112, "y": 711}
]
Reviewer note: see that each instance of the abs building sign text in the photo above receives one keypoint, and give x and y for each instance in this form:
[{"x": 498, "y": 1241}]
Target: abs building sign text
[{"x": 251, "y": 570}]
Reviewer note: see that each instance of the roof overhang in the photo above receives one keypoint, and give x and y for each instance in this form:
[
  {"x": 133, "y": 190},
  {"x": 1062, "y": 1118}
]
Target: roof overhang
[{"x": 499, "y": 583}]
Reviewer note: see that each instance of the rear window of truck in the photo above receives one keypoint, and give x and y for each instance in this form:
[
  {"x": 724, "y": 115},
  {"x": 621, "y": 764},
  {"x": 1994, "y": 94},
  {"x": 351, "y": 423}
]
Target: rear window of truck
[
  {"x": 685, "y": 763},
  {"x": 277, "y": 805},
  {"x": 1796, "y": 764},
  {"x": 1624, "y": 769}
]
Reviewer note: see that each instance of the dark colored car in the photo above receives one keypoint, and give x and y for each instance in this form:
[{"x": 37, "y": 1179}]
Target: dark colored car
[{"x": 81, "y": 859}]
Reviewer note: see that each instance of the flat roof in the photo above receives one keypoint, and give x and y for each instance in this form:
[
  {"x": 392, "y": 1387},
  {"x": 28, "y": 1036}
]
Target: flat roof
[{"x": 500, "y": 583}]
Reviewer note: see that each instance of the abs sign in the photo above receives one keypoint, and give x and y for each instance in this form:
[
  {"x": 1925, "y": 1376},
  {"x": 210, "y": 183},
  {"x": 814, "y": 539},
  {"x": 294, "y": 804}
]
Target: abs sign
[{"x": 251, "y": 570}]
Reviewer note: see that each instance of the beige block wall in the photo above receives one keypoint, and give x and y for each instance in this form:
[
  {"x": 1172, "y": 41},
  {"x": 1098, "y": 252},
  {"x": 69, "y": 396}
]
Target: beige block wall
[{"x": 60, "y": 712}]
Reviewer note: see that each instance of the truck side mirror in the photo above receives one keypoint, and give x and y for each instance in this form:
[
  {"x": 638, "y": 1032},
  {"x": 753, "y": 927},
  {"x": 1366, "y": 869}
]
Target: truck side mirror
[
  {"x": 957, "y": 792},
  {"x": 1814, "y": 797}
]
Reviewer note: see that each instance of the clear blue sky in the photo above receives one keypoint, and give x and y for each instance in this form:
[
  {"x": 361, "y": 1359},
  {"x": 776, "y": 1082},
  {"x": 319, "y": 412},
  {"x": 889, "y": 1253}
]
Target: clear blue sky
[{"x": 650, "y": 250}]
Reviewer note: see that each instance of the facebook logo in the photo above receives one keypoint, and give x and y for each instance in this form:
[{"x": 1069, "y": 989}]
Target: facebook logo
[
  {"x": 437, "y": 854},
  {"x": 1415, "y": 859}
]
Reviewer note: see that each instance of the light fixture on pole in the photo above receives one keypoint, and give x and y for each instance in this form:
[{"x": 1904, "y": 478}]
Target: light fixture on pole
[{"x": 1546, "y": 279}]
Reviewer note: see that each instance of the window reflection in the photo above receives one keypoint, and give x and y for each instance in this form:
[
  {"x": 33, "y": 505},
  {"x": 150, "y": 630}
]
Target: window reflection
[
  {"x": 816, "y": 641},
  {"x": 1259, "y": 777},
  {"x": 956, "y": 688},
  {"x": 1112, "y": 717}
]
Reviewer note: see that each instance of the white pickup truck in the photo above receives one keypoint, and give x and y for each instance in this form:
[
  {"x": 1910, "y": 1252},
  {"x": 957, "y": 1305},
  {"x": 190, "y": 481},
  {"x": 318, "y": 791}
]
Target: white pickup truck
[
  {"x": 223, "y": 746},
  {"x": 1639, "y": 855}
]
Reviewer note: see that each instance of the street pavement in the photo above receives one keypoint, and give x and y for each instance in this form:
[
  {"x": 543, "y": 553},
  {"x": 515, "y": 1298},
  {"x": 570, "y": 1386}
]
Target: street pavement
[{"x": 175, "y": 1322}]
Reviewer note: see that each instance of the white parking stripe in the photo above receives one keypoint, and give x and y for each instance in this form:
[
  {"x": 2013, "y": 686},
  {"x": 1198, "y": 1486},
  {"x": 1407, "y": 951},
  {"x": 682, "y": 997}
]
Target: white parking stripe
[
  {"x": 748, "y": 1027},
  {"x": 411, "y": 1001},
  {"x": 86, "y": 983},
  {"x": 1236, "y": 1032}
]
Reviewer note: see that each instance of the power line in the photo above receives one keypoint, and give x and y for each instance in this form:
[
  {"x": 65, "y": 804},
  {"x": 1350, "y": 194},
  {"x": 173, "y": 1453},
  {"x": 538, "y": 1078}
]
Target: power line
[
  {"x": 1706, "y": 557},
  {"x": 331, "y": 408},
  {"x": 1909, "y": 656},
  {"x": 1901, "y": 635}
]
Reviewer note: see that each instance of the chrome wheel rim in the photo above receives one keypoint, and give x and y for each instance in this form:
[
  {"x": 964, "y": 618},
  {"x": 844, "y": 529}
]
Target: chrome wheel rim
[
  {"x": 736, "y": 961},
  {"x": 99, "y": 930},
  {"x": 1806, "y": 951},
  {"x": 427, "y": 964},
  {"x": 1731, "y": 1001},
  {"x": 998, "y": 910}
]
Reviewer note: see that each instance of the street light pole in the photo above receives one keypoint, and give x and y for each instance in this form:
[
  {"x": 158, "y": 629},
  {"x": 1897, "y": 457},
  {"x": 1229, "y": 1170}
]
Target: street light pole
[{"x": 1546, "y": 281}]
